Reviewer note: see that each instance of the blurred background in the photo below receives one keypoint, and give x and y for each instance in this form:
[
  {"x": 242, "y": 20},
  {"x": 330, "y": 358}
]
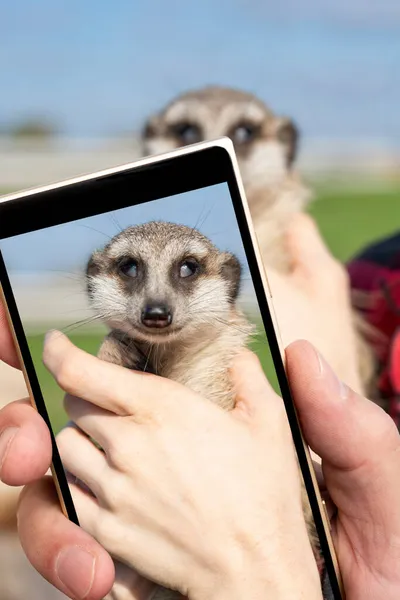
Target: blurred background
[{"x": 78, "y": 80}]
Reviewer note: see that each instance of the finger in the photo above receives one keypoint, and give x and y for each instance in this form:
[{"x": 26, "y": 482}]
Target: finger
[
  {"x": 60, "y": 550},
  {"x": 254, "y": 396},
  {"x": 319, "y": 475},
  {"x": 105, "y": 526},
  {"x": 129, "y": 585},
  {"x": 330, "y": 507},
  {"x": 111, "y": 387},
  {"x": 90, "y": 514},
  {"x": 25, "y": 444},
  {"x": 357, "y": 441},
  {"x": 7, "y": 348},
  {"x": 73, "y": 445},
  {"x": 107, "y": 430},
  {"x": 102, "y": 426}
]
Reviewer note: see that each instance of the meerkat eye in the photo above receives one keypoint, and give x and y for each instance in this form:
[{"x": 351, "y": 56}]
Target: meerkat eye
[
  {"x": 244, "y": 133},
  {"x": 129, "y": 267},
  {"x": 186, "y": 133},
  {"x": 188, "y": 268}
]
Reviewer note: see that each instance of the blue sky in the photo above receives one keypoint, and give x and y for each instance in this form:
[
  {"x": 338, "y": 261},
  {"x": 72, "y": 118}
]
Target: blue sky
[
  {"x": 98, "y": 68},
  {"x": 66, "y": 248}
]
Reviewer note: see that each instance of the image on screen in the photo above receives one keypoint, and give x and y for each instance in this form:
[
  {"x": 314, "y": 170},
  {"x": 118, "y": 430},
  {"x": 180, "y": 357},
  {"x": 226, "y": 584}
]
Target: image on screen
[{"x": 157, "y": 273}]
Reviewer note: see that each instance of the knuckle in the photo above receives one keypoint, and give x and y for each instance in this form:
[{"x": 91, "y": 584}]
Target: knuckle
[
  {"x": 103, "y": 529},
  {"x": 121, "y": 450},
  {"x": 117, "y": 455},
  {"x": 96, "y": 523},
  {"x": 122, "y": 405},
  {"x": 113, "y": 493}
]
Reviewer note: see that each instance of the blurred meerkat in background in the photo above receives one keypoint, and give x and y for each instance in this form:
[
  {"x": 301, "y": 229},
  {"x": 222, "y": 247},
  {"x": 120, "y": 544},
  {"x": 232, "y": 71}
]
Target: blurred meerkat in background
[{"x": 266, "y": 147}]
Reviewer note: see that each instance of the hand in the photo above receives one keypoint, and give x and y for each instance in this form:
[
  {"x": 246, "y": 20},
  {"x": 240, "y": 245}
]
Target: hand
[
  {"x": 25, "y": 456},
  {"x": 7, "y": 348},
  {"x": 168, "y": 493},
  {"x": 361, "y": 431},
  {"x": 12, "y": 381},
  {"x": 360, "y": 449},
  {"x": 12, "y": 387},
  {"x": 313, "y": 301}
]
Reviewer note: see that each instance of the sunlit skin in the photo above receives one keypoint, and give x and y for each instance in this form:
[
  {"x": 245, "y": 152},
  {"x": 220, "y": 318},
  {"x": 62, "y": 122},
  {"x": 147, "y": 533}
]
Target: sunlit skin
[{"x": 357, "y": 442}]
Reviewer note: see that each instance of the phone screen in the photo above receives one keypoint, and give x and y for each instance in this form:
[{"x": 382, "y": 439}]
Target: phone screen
[{"x": 54, "y": 288}]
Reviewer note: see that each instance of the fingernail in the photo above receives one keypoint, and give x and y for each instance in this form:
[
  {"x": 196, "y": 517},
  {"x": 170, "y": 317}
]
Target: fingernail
[
  {"x": 75, "y": 568},
  {"x": 331, "y": 378},
  {"x": 6, "y": 439}
]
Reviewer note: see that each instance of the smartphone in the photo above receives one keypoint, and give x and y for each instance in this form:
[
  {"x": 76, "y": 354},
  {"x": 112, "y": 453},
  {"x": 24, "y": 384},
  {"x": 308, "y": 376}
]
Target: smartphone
[{"x": 48, "y": 236}]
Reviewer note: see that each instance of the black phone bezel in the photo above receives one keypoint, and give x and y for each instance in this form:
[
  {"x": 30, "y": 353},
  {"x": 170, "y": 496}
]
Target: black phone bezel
[{"x": 108, "y": 192}]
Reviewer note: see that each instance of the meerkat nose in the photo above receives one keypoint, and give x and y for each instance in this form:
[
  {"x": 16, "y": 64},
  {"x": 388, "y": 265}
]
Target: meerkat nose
[{"x": 156, "y": 315}]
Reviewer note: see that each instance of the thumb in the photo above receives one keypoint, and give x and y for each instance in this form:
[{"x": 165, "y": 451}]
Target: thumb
[
  {"x": 254, "y": 396},
  {"x": 357, "y": 441}
]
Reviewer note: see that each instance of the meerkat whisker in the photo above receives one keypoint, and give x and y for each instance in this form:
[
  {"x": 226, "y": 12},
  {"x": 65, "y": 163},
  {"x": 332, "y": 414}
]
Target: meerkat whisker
[
  {"x": 95, "y": 230},
  {"x": 115, "y": 222},
  {"x": 148, "y": 357},
  {"x": 82, "y": 322}
]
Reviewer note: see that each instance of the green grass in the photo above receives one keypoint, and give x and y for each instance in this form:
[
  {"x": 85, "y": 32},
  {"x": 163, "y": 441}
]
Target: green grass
[
  {"x": 348, "y": 218},
  {"x": 52, "y": 394}
]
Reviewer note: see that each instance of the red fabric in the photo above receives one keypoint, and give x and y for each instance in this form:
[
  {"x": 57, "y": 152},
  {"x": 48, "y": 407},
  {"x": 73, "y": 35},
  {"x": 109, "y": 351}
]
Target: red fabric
[
  {"x": 394, "y": 367},
  {"x": 376, "y": 273}
]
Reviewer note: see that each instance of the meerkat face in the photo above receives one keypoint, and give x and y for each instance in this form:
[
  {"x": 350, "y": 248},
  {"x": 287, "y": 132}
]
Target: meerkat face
[
  {"x": 265, "y": 144},
  {"x": 160, "y": 280}
]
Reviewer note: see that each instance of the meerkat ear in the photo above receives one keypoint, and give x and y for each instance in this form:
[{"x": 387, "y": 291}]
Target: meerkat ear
[
  {"x": 149, "y": 129},
  {"x": 93, "y": 264},
  {"x": 288, "y": 134},
  {"x": 92, "y": 269},
  {"x": 231, "y": 272}
]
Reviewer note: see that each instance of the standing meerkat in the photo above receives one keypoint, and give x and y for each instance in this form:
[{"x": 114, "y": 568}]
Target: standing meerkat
[
  {"x": 266, "y": 147},
  {"x": 169, "y": 298}
]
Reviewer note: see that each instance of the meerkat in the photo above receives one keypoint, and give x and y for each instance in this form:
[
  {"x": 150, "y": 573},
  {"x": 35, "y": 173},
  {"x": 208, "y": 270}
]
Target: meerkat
[
  {"x": 170, "y": 300},
  {"x": 168, "y": 296},
  {"x": 266, "y": 147}
]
